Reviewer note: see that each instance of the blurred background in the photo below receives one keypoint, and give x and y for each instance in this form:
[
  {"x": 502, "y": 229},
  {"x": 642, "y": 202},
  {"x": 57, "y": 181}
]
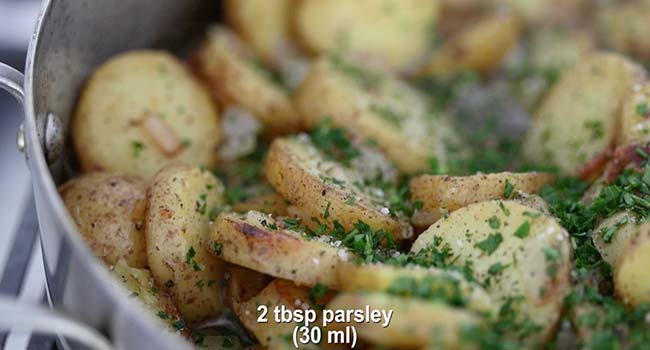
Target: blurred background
[
  {"x": 21, "y": 267},
  {"x": 16, "y": 23}
]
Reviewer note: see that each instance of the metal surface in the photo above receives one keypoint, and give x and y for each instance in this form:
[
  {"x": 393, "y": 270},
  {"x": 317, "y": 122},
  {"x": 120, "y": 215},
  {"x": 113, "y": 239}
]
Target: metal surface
[{"x": 72, "y": 37}]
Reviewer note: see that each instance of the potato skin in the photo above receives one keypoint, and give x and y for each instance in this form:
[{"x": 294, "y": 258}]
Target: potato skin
[
  {"x": 300, "y": 173},
  {"x": 442, "y": 194},
  {"x": 180, "y": 201},
  {"x": 256, "y": 241},
  {"x": 227, "y": 66},
  {"x": 378, "y": 278},
  {"x": 481, "y": 47},
  {"x": 413, "y": 321},
  {"x": 372, "y": 105},
  {"x": 107, "y": 128},
  {"x": 109, "y": 211},
  {"x": 592, "y": 93},
  {"x": 141, "y": 284},
  {"x": 264, "y": 25},
  {"x": 395, "y": 33},
  {"x": 526, "y": 257}
]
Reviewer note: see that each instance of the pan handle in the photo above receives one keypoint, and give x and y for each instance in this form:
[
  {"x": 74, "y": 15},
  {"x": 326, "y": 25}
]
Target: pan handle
[{"x": 12, "y": 81}]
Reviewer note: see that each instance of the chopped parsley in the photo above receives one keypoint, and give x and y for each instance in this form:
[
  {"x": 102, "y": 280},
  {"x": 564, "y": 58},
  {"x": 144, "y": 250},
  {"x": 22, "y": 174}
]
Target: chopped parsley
[
  {"x": 334, "y": 142},
  {"x": 490, "y": 244},
  {"x": 508, "y": 190},
  {"x": 137, "y": 147},
  {"x": 523, "y": 230},
  {"x": 217, "y": 247},
  {"x": 315, "y": 293},
  {"x": 494, "y": 222},
  {"x": 643, "y": 109}
]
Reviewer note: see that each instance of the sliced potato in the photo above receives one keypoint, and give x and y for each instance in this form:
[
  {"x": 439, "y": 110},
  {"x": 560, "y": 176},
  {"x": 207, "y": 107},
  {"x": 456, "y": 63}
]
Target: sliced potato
[
  {"x": 372, "y": 105},
  {"x": 258, "y": 242},
  {"x": 141, "y": 284},
  {"x": 517, "y": 252},
  {"x": 481, "y": 46},
  {"x": 414, "y": 322},
  {"x": 272, "y": 204},
  {"x": 631, "y": 270},
  {"x": 140, "y": 111},
  {"x": 243, "y": 283},
  {"x": 109, "y": 211},
  {"x": 613, "y": 234},
  {"x": 263, "y": 24},
  {"x": 379, "y": 278},
  {"x": 623, "y": 27},
  {"x": 182, "y": 201},
  {"x": 327, "y": 191},
  {"x": 635, "y": 117},
  {"x": 396, "y": 33},
  {"x": 237, "y": 80},
  {"x": 271, "y": 334},
  {"x": 592, "y": 93},
  {"x": 442, "y": 194},
  {"x": 553, "y": 48}
]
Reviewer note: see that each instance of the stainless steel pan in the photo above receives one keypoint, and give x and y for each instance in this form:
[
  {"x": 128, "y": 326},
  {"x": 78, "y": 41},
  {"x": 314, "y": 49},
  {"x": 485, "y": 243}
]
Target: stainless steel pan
[{"x": 71, "y": 38}]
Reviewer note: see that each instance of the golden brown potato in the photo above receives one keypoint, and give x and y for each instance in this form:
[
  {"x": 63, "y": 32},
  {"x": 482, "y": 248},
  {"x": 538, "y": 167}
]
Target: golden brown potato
[
  {"x": 140, "y": 111},
  {"x": 182, "y": 202},
  {"x": 271, "y": 334},
  {"x": 263, "y": 24},
  {"x": 237, "y": 80},
  {"x": 635, "y": 117},
  {"x": 592, "y": 93},
  {"x": 272, "y": 204},
  {"x": 631, "y": 269},
  {"x": 258, "y": 242},
  {"x": 379, "y": 278},
  {"x": 413, "y": 321},
  {"x": 481, "y": 46},
  {"x": 328, "y": 191},
  {"x": 624, "y": 26},
  {"x": 155, "y": 299},
  {"x": 520, "y": 251},
  {"x": 371, "y": 105},
  {"x": 395, "y": 33},
  {"x": 442, "y": 194},
  {"x": 109, "y": 212}
]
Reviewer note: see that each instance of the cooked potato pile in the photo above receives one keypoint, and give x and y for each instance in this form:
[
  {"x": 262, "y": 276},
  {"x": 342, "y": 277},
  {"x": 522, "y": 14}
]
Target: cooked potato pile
[{"x": 476, "y": 171}]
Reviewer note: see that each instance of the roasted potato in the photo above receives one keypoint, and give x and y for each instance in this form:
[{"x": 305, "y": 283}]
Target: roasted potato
[
  {"x": 258, "y": 242},
  {"x": 272, "y": 204},
  {"x": 264, "y": 25},
  {"x": 182, "y": 203},
  {"x": 379, "y": 278},
  {"x": 623, "y": 27},
  {"x": 142, "y": 286},
  {"x": 481, "y": 46},
  {"x": 327, "y": 191},
  {"x": 612, "y": 235},
  {"x": 592, "y": 93},
  {"x": 515, "y": 251},
  {"x": 556, "y": 49},
  {"x": 414, "y": 322},
  {"x": 631, "y": 270},
  {"x": 442, "y": 194},
  {"x": 237, "y": 80},
  {"x": 537, "y": 12},
  {"x": 395, "y": 33},
  {"x": 140, "y": 111},
  {"x": 243, "y": 283},
  {"x": 372, "y": 105},
  {"x": 273, "y": 335},
  {"x": 635, "y": 121},
  {"x": 109, "y": 211}
]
